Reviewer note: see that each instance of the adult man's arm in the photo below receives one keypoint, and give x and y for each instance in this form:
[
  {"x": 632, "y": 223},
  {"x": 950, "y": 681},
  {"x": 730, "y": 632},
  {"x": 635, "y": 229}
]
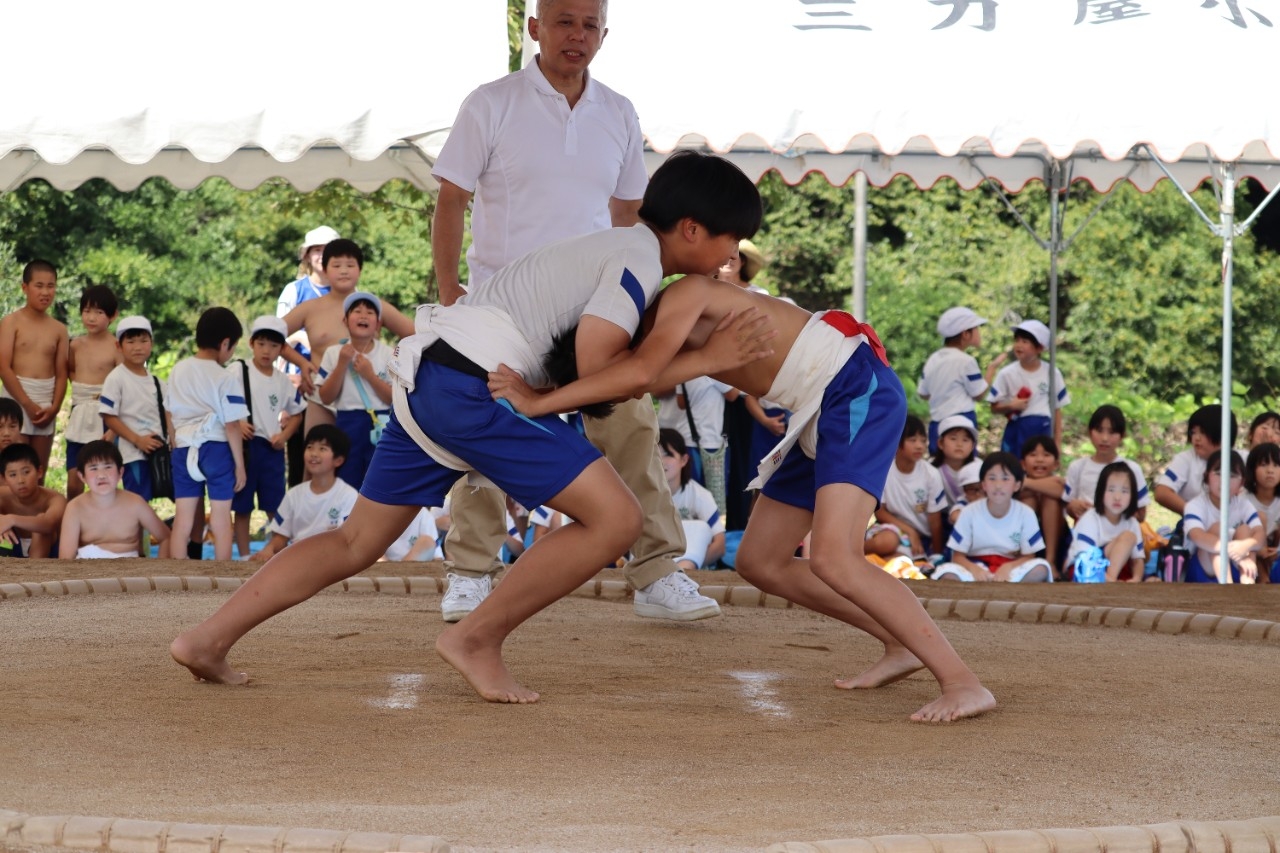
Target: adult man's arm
[
  {"x": 624, "y": 213},
  {"x": 447, "y": 226}
]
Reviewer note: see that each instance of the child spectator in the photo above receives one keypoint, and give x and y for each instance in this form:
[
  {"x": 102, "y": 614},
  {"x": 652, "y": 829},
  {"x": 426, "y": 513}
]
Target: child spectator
[
  {"x": 131, "y": 406},
  {"x": 957, "y": 443},
  {"x": 33, "y": 358},
  {"x": 275, "y": 414},
  {"x": 1042, "y": 490},
  {"x": 951, "y": 380},
  {"x": 695, "y": 409},
  {"x": 207, "y": 404},
  {"x": 10, "y": 423},
  {"x": 914, "y": 498},
  {"x": 971, "y": 482},
  {"x": 1107, "y": 541},
  {"x": 105, "y": 522},
  {"x": 702, "y": 520},
  {"x": 30, "y": 514},
  {"x": 354, "y": 380},
  {"x": 420, "y": 541},
  {"x": 1107, "y": 430},
  {"x": 996, "y": 539},
  {"x": 1261, "y": 481},
  {"x": 321, "y": 503},
  {"x": 1264, "y": 429},
  {"x": 1021, "y": 390},
  {"x": 1183, "y": 478},
  {"x": 90, "y": 358},
  {"x": 1201, "y": 520}
]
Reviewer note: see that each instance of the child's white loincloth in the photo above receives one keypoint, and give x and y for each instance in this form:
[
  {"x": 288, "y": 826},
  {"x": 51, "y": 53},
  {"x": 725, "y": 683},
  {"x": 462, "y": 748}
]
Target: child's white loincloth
[
  {"x": 95, "y": 552},
  {"x": 85, "y": 423},
  {"x": 41, "y": 393}
]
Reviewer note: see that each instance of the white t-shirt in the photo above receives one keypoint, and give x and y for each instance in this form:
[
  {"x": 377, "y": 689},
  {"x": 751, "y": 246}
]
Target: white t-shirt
[
  {"x": 423, "y": 524},
  {"x": 1271, "y": 511},
  {"x": 1201, "y": 514},
  {"x": 913, "y": 496},
  {"x": 978, "y": 533},
  {"x": 951, "y": 379},
  {"x": 201, "y": 390},
  {"x": 706, "y": 402},
  {"x": 270, "y": 396},
  {"x": 1094, "y": 530},
  {"x": 539, "y": 171},
  {"x": 1082, "y": 480},
  {"x": 695, "y": 503},
  {"x": 349, "y": 398},
  {"x": 304, "y": 513},
  {"x": 1012, "y": 378},
  {"x": 132, "y": 398}
]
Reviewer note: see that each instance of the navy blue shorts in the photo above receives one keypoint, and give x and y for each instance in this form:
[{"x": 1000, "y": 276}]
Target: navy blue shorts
[
  {"x": 859, "y": 427},
  {"x": 357, "y": 425},
  {"x": 218, "y": 467},
  {"x": 1021, "y": 428},
  {"x": 264, "y": 478},
  {"x": 137, "y": 479},
  {"x": 531, "y": 459},
  {"x": 73, "y": 453}
]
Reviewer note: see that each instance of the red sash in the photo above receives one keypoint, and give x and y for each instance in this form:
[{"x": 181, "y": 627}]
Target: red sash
[{"x": 848, "y": 325}]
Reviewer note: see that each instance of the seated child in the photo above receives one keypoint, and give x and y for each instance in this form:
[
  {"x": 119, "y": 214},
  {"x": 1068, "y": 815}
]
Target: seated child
[
  {"x": 29, "y": 513},
  {"x": 354, "y": 380},
  {"x": 1201, "y": 520},
  {"x": 957, "y": 447},
  {"x": 914, "y": 498},
  {"x": 996, "y": 539},
  {"x": 91, "y": 357},
  {"x": 10, "y": 423},
  {"x": 1106, "y": 431},
  {"x": 1043, "y": 490},
  {"x": 320, "y": 503},
  {"x": 701, "y": 518},
  {"x": 1264, "y": 429},
  {"x": 1183, "y": 479},
  {"x": 1107, "y": 545},
  {"x": 105, "y": 522},
  {"x": 420, "y": 541},
  {"x": 1261, "y": 481}
]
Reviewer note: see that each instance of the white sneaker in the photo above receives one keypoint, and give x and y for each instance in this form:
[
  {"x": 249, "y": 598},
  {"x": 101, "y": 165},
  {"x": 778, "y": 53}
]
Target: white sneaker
[
  {"x": 463, "y": 595},
  {"x": 675, "y": 597}
]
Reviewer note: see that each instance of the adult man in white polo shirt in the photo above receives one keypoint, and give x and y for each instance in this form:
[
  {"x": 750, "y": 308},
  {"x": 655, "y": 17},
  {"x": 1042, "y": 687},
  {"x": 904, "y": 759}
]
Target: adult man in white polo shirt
[{"x": 549, "y": 153}]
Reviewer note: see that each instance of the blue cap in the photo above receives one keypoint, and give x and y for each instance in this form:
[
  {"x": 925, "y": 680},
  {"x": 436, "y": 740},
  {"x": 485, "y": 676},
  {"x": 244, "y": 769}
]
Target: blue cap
[{"x": 361, "y": 296}]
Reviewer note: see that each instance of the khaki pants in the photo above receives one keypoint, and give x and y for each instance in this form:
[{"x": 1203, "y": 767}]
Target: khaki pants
[{"x": 629, "y": 440}]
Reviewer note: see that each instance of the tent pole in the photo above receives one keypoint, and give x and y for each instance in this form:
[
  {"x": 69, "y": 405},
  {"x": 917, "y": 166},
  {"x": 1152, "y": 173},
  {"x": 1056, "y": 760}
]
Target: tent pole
[
  {"x": 860, "y": 246},
  {"x": 1227, "y": 207},
  {"x": 1055, "y": 244}
]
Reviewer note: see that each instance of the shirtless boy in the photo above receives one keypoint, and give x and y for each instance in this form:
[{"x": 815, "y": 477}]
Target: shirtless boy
[
  {"x": 105, "y": 522},
  {"x": 28, "y": 510},
  {"x": 33, "y": 357},
  {"x": 826, "y": 475},
  {"x": 91, "y": 357}
]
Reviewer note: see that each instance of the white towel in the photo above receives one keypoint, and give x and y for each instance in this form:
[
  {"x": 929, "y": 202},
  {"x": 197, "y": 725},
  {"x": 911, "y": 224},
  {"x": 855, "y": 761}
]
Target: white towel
[
  {"x": 95, "y": 552},
  {"x": 84, "y": 424}
]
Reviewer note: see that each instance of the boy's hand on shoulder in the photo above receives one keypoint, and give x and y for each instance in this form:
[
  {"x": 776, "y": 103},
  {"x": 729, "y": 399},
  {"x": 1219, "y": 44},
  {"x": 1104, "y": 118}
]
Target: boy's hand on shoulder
[{"x": 740, "y": 338}]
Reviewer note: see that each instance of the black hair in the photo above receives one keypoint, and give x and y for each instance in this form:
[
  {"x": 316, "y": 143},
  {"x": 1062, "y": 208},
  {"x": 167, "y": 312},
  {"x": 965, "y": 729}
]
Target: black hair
[
  {"x": 913, "y": 426},
  {"x": 1214, "y": 463},
  {"x": 342, "y": 248},
  {"x": 940, "y": 458},
  {"x": 217, "y": 325},
  {"x": 1042, "y": 441},
  {"x": 1266, "y": 453},
  {"x": 10, "y": 410},
  {"x": 130, "y": 334},
  {"x": 1100, "y": 491},
  {"x": 707, "y": 189},
  {"x": 100, "y": 296},
  {"x": 672, "y": 440},
  {"x": 270, "y": 334},
  {"x": 36, "y": 266},
  {"x": 1007, "y": 461},
  {"x": 1025, "y": 335},
  {"x": 561, "y": 365},
  {"x": 98, "y": 451},
  {"x": 1261, "y": 419},
  {"x": 329, "y": 434},
  {"x": 1108, "y": 414},
  {"x": 18, "y": 452},
  {"x": 1208, "y": 419}
]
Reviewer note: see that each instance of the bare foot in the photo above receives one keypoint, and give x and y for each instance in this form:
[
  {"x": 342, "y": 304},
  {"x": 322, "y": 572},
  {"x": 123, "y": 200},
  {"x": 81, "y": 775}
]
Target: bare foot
[
  {"x": 205, "y": 665},
  {"x": 956, "y": 703},
  {"x": 482, "y": 667},
  {"x": 894, "y": 666}
]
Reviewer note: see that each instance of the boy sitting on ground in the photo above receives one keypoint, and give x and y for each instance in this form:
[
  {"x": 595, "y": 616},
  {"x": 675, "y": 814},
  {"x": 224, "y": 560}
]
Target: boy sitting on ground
[
  {"x": 105, "y": 522},
  {"x": 320, "y": 503},
  {"x": 10, "y": 423},
  {"x": 30, "y": 514}
]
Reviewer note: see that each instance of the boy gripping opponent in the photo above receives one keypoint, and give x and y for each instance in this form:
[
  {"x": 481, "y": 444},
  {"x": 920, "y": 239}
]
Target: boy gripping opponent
[
  {"x": 444, "y": 422},
  {"x": 33, "y": 358},
  {"x": 826, "y": 475}
]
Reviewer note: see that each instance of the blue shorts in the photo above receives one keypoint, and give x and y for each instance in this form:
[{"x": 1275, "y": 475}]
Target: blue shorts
[
  {"x": 1018, "y": 430},
  {"x": 218, "y": 467},
  {"x": 859, "y": 427},
  {"x": 264, "y": 478},
  {"x": 137, "y": 479},
  {"x": 73, "y": 453},
  {"x": 357, "y": 425},
  {"x": 531, "y": 459}
]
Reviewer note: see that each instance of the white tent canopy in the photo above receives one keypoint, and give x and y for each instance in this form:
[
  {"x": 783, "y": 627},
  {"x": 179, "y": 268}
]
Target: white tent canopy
[{"x": 307, "y": 90}]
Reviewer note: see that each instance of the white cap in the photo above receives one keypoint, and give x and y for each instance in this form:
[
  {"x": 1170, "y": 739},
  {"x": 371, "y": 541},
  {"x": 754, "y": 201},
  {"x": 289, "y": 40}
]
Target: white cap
[
  {"x": 1037, "y": 330},
  {"x": 956, "y": 320},
  {"x": 957, "y": 422},
  {"x": 322, "y": 236},
  {"x": 361, "y": 296},
  {"x": 269, "y": 323},
  {"x": 132, "y": 324},
  {"x": 971, "y": 473}
]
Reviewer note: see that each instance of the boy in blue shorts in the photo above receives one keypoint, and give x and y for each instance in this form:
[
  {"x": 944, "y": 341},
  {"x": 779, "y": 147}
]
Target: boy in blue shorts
[
  {"x": 131, "y": 405},
  {"x": 207, "y": 405},
  {"x": 444, "y": 421},
  {"x": 848, "y": 410}
]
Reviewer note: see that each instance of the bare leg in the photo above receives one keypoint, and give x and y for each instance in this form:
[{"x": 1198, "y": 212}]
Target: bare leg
[
  {"x": 220, "y": 527},
  {"x": 290, "y": 577},
  {"x": 1118, "y": 554},
  {"x": 184, "y": 517},
  {"x": 241, "y": 532},
  {"x": 43, "y": 446},
  {"x": 608, "y": 521},
  {"x": 1051, "y": 526}
]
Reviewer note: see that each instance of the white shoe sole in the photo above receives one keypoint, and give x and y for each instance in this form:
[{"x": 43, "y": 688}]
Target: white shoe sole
[
  {"x": 454, "y": 615},
  {"x": 658, "y": 611}
]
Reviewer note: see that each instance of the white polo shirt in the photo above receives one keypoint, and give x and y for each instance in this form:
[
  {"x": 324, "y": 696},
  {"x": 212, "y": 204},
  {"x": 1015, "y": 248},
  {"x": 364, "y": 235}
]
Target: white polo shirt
[
  {"x": 539, "y": 170},
  {"x": 951, "y": 379}
]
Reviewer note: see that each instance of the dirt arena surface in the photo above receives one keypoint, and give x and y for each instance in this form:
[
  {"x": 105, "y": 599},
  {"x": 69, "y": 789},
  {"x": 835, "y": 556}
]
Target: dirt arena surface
[{"x": 722, "y": 735}]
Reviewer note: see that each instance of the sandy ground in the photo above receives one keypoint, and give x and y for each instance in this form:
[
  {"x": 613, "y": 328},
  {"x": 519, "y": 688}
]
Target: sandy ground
[{"x": 714, "y": 736}]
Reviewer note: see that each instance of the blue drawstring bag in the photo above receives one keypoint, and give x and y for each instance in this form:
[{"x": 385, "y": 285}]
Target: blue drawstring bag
[{"x": 1091, "y": 566}]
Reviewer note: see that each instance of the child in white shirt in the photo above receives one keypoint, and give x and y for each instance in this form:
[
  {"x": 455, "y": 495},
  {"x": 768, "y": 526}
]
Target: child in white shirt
[
  {"x": 321, "y": 503},
  {"x": 951, "y": 380},
  {"x": 1201, "y": 520},
  {"x": 702, "y": 520},
  {"x": 1021, "y": 390},
  {"x": 131, "y": 405},
  {"x": 914, "y": 498},
  {"x": 354, "y": 380},
  {"x": 1107, "y": 541}
]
